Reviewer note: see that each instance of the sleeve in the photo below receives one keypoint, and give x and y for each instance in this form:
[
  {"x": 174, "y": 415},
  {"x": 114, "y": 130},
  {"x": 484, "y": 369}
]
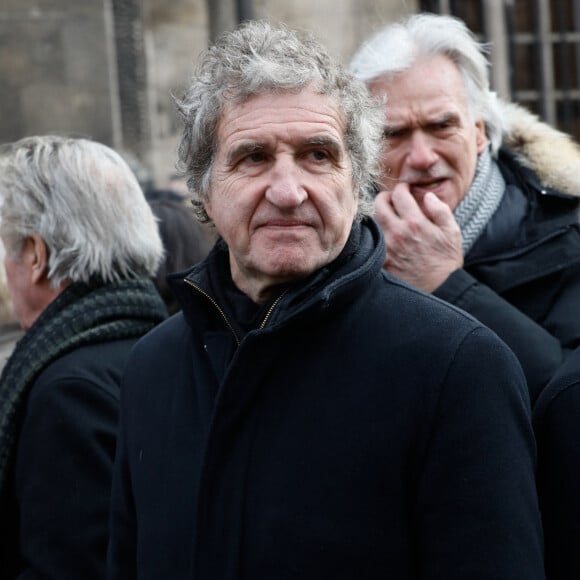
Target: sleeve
[
  {"x": 557, "y": 430},
  {"x": 62, "y": 479},
  {"x": 539, "y": 353},
  {"x": 477, "y": 512}
]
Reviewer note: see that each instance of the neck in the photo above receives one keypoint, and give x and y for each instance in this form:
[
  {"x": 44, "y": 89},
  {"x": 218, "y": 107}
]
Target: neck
[
  {"x": 40, "y": 300},
  {"x": 258, "y": 291}
]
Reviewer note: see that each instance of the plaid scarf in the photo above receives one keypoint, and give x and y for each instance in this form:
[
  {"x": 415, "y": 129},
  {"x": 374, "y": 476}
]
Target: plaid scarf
[{"x": 82, "y": 314}]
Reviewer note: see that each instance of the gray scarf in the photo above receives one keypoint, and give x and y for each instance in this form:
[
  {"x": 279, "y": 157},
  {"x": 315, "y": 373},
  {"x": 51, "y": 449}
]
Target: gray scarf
[{"x": 483, "y": 198}]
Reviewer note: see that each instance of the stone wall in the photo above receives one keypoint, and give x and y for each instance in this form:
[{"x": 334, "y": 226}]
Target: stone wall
[
  {"x": 58, "y": 69},
  {"x": 109, "y": 69},
  {"x": 177, "y": 32}
]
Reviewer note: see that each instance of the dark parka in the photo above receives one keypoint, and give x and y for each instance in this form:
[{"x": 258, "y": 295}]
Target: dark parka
[
  {"x": 522, "y": 277},
  {"x": 364, "y": 430}
]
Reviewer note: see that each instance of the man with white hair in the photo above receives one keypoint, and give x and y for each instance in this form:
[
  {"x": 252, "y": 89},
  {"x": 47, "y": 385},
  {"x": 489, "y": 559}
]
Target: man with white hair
[
  {"x": 478, "y": 201},
  {"x": 81, "y": 246}
]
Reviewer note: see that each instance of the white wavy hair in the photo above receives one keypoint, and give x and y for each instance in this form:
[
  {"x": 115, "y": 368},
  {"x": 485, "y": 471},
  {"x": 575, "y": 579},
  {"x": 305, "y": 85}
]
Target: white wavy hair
[
  {"x": 394, "y": 49},
  {"x": 84, "y": 201}
]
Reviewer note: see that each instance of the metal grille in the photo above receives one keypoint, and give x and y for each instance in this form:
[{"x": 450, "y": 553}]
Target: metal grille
[{"x": 536, "y": 52}]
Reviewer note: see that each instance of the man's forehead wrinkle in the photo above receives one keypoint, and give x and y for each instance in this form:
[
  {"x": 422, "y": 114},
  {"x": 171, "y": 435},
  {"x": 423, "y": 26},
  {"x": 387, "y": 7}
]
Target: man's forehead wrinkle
[
  {"x": 327, "y": 102},
  {"x": 421, "y": 118}
]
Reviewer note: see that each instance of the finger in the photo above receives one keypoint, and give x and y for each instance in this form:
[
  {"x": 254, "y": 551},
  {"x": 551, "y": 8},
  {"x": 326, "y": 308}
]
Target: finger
[
  {"x": 437, "y": 211},
  {"x": 404, "y": 204},
  {"x": 384, "y": 213}
]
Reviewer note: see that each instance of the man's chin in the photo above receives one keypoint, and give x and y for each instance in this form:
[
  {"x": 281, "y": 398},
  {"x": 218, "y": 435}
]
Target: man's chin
[
  {"x": 290, "y": 270},
  {"x": 289, "y": 266}
]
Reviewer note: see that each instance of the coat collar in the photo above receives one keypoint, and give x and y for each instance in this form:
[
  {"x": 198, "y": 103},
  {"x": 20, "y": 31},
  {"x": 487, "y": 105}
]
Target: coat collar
[{"x": 324, "y": 288}]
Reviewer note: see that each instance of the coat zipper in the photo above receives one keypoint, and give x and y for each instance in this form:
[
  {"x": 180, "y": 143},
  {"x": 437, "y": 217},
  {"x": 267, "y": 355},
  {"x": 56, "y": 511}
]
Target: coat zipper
[
  {"x": 271, "y": 309},
  {"x": 222, "y": 313}
]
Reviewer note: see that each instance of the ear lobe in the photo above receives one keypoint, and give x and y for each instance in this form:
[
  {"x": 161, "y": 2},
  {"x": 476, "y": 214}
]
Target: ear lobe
[{"x": 38, "y": 256}]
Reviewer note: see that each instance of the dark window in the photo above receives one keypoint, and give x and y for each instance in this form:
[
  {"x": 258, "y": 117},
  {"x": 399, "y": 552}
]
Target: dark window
[{"x": 543, "y": 63}]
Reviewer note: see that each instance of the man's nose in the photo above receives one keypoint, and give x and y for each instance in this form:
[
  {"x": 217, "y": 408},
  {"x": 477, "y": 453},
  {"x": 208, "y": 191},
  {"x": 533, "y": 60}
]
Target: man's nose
[
  {"x": 421, "y": 154},
  {"x": 285, "y": 189}
]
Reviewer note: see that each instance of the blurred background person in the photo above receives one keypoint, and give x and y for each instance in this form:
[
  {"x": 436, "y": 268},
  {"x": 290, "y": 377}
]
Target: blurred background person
[
  {"x": 185, "y": 240},
  {"x": 81, "y": 247}
]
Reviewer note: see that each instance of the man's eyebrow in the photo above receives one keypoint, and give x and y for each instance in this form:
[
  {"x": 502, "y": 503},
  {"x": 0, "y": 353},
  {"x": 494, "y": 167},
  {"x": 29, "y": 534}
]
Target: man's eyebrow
[
  {"x": 447, "y": 117},
  {"x": 330, "y": 143},
  {"x": 243, "y": 149},
  {"x": 388, "y": 129}
]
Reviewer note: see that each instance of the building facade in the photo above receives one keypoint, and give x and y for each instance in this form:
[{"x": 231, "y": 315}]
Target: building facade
[{"x": 110, "y": 69}]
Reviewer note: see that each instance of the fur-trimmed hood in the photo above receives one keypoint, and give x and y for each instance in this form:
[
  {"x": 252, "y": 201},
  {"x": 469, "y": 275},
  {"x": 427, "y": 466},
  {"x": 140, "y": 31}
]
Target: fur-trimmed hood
[{"x": 553, "y": 155}]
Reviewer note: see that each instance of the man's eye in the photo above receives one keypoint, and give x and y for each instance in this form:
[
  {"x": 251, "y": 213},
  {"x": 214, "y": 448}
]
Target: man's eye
[
  {"x": 256, "y": 157},
  {"x": 446, "y": 125},
  {"x": 318, "y": 155},
  {"x": 393, "y": 133}
]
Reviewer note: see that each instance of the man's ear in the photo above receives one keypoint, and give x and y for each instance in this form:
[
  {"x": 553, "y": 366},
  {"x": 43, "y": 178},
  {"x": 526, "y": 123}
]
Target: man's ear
[
  {"x": 481, "y": 137},
  {"x": 207, "y": 207},
  {"x": 37, "y": 254}
]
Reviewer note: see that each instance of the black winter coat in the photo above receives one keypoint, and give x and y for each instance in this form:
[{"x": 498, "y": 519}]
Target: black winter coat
[
  {"x": 65, "y": 452},
  {"x": 364, "y": 430},
  {"x": 522, "y": 277},
  {"x": 557, "y": 425}
]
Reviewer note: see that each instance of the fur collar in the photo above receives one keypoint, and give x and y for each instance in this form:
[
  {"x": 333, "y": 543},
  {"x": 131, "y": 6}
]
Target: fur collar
[{"x": 551, "y": 154}]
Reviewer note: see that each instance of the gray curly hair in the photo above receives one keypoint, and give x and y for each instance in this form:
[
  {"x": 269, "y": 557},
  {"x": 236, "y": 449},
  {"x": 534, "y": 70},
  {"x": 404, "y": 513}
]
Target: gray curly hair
[{"x": 257, "y": 58}]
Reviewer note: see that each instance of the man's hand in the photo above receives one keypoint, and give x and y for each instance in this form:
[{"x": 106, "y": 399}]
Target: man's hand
[{"x": 423, "y": 247}]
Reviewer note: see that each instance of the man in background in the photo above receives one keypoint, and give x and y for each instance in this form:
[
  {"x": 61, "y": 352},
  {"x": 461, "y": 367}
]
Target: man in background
[
  {"x": 81, "y": 246},
  {"x": 478, "y": 200}
]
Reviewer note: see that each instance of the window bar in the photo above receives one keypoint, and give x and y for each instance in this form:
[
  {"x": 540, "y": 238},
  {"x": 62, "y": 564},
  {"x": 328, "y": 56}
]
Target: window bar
[{"x": 546, "y": 56}]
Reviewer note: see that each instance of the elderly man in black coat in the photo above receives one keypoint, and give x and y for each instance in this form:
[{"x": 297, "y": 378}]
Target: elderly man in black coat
[
  {"x": 307, "y": 415},
  {"x": 81, "y": 246}
]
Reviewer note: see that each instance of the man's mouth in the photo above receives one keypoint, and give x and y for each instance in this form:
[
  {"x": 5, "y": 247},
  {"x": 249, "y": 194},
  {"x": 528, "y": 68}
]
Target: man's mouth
[
  {"x": 281, "y": 223},
  {"x": 422, "y": 187}
]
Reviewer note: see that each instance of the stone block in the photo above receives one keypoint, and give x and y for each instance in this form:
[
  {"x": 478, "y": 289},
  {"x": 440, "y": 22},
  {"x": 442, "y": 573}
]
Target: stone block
[{"x": 58, "y": 69}]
